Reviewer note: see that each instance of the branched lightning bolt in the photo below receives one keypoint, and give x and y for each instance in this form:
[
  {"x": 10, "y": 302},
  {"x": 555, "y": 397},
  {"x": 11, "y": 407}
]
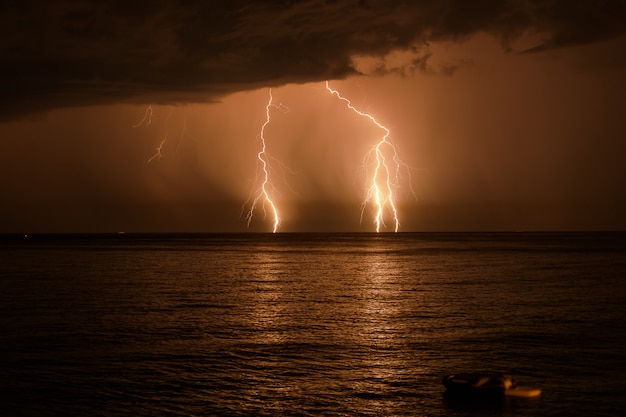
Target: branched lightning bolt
[
  {"x": 159, "y": 149},
  {"x": 263, "y": 176},
  {"x": 147, "y": 121},
  {"x": 158, "y": 154},
  {"x": 384, "y": 179}
]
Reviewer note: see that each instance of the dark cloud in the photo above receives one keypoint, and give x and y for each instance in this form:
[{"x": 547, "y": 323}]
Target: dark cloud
[{"x": 66, "y": 53}]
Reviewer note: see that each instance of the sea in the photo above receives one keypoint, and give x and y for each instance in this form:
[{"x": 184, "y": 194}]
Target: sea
[{"x": 310, "y": 324}]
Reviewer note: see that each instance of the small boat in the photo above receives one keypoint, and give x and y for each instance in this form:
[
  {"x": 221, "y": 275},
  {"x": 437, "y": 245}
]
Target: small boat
[{"x": 486, "y": 385}]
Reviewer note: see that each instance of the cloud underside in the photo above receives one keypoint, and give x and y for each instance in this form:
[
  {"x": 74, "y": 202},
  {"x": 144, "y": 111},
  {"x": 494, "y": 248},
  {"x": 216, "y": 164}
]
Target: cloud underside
[{"x": 68, "y": 53}]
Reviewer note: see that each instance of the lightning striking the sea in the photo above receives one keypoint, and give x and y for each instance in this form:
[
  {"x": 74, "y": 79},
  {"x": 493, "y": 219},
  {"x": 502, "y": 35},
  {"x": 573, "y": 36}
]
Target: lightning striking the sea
[
  {"x": 385, "y": 176},
  {"x": 381, "y": 164},
  {"x": 261, "y": 194}
]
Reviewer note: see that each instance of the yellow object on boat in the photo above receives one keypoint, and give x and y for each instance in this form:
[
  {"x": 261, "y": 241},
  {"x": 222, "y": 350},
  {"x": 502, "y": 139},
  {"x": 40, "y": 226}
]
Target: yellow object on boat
[{"x": 525, "y": 392}]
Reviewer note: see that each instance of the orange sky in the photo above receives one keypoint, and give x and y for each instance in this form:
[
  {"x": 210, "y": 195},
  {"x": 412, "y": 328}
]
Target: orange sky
[{"x": 507, "y": 141}]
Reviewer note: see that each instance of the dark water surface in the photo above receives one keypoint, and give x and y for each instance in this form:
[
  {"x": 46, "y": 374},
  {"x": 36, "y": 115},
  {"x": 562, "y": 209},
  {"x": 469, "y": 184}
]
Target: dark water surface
[{"x": 309, "y": 324}]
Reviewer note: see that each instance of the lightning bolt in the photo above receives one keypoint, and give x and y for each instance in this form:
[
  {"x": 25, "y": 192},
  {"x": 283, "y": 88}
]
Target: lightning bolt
[
  {"x": 159, "y": 149},
  {"x": 147, "y": 117},
  {"x": 147, "y": 121},
  {"x": 262, "y": 193},
  {"x": 385, "y": 177}
]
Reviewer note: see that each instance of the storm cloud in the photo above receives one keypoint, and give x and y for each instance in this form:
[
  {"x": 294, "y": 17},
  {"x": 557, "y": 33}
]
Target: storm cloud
[{"x": 73, "y": 53}]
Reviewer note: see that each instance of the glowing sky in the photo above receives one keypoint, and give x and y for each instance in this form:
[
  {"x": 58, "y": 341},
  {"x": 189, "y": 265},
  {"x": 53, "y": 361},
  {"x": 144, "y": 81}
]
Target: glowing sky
[{"x": 510, "y": 114}]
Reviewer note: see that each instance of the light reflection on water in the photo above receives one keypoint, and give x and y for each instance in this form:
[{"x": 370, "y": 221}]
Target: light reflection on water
[
  {"x": 341, "y": 320},
  {"x": 268, "y": 298},
  {"x": 309, "y": 325}
]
